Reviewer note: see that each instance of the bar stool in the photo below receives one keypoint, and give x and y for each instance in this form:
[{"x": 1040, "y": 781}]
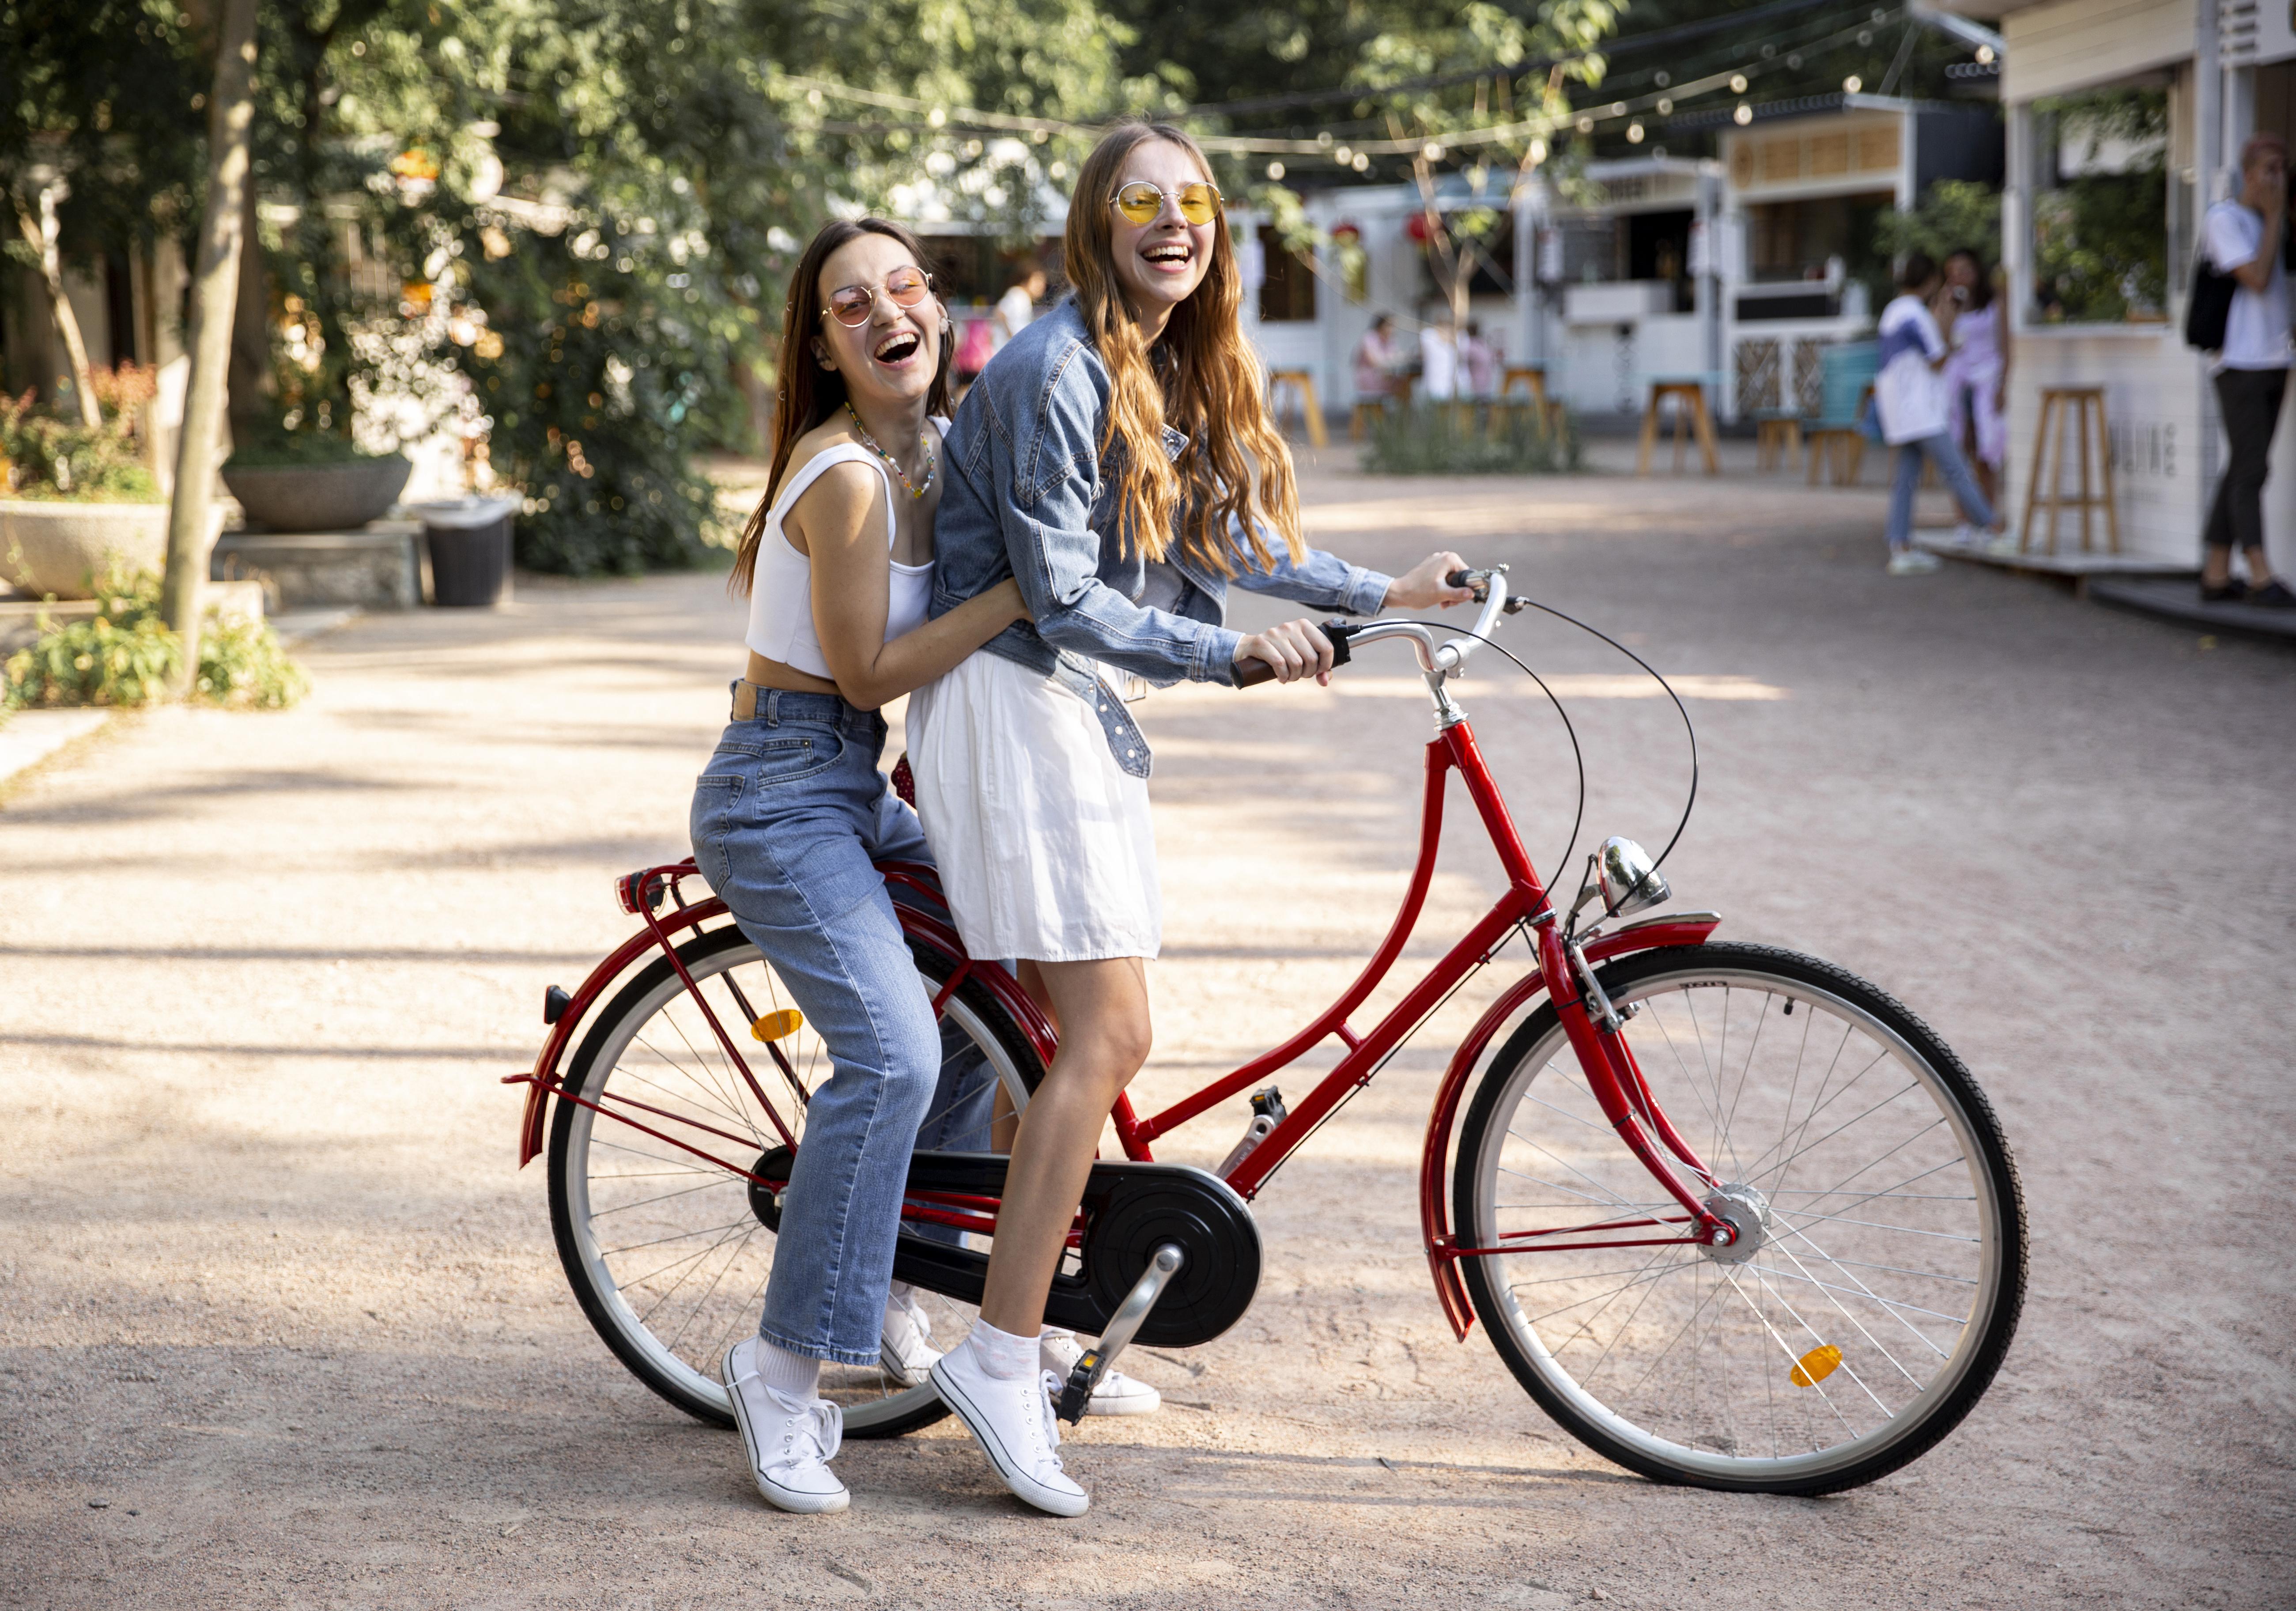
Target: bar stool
[
  {"x": 1777, "y": 438},
  {"x": 1533, "y": 377},
  {"x": 2079, "y": 404},
  {"x": 1303, "y": 381},
  {"x": 1689, "y": 395},
  {"x": 1368, "y": 412}
]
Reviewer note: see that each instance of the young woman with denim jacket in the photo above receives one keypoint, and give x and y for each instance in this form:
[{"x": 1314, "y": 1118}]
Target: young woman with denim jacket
[
  {"x": 792, "y": 810},
  {"x": 1117, "y": 460}
]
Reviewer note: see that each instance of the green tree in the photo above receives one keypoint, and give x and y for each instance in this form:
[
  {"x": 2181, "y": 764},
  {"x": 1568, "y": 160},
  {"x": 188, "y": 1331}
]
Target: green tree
[
  {"x": 1953, "y": 215},
  {"x": 95, "y": 100}
]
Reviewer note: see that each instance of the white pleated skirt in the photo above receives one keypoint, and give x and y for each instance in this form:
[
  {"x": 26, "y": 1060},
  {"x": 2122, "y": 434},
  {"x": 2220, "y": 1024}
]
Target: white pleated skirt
[{"x": 1045, "y": 847}]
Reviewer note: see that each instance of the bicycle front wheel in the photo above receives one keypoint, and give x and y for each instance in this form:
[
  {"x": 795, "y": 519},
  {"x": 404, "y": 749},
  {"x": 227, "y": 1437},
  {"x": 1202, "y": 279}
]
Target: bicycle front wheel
[
  {"x": 667, "y": 1251},
  {"x": 1881, "y": 1268}
]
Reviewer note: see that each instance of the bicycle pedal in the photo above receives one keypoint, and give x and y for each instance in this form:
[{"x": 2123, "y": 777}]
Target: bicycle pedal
[{"x": 1076, "y": 1392}]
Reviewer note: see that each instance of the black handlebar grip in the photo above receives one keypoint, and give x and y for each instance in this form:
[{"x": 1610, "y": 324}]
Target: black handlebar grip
[
  {"x": 1459, "y": 579},
  {"x": 1251, "y": 673}
]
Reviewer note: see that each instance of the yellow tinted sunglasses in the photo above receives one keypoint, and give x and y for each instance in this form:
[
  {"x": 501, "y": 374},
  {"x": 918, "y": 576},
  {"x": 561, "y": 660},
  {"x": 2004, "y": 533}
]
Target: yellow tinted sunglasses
[{"x": 1142, "y": 203}]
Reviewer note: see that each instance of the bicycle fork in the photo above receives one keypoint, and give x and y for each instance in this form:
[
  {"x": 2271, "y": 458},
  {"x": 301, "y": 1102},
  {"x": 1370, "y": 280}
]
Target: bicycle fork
[{"x": 1594, "y": 1027}]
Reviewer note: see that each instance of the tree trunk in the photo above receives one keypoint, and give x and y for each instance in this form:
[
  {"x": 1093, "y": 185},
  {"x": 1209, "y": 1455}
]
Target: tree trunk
[
  {"x": 214, "y": 289},
  {"x": 41, "y": 233}
]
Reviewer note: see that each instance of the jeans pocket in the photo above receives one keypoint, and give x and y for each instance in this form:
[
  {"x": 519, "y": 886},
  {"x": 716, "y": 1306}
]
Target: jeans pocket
[{"x": 784, "y": 758}]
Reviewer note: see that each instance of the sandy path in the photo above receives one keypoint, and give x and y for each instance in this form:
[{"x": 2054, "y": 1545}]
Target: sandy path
[{"x": 280, "y": 1307}]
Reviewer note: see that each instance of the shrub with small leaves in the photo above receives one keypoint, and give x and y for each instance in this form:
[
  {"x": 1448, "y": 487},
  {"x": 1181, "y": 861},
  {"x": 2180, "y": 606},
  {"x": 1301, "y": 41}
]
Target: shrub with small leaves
[
  {"x": 46, "y": 455},
  {"x": 125, "y": 653},
  {"x": 1461, "y": 439}
]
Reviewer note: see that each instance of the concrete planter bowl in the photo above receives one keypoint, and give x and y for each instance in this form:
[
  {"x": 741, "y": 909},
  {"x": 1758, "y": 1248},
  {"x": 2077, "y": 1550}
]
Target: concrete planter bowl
[
  {"x": 61, "y": 547},
  {"x": 318, "y": 497}
]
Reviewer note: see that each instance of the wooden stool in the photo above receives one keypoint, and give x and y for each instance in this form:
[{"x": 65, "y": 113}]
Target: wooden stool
[
  {"x": 2055, "y": 410},
  {"x": 1547, "y": 411},
  {"x": 1303, "y": 381},
  {"x": 1367, "y": 410},
  {"x": 1690, "y": 402},
  {"x": 1777, "y": 440},
  {"x": 1839, "y": 447}
]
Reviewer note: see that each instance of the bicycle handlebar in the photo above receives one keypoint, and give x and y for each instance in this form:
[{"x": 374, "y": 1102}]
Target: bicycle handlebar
[{"x": 1490, "y": 591}]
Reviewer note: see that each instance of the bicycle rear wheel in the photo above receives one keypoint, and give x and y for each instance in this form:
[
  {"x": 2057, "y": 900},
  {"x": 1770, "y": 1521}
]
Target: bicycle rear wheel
[
  {"x": 1878, "y": 1283},
  {"x": 665, "y": 1250}
]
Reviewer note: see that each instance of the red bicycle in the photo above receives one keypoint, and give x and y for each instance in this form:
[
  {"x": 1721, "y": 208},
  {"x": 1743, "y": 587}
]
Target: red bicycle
[{"x": 1733, "y": 1216}]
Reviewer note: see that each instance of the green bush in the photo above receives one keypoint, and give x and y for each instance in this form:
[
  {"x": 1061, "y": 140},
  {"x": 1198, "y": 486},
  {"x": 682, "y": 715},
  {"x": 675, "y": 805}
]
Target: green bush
[
  {"x": 282, "y": 450},
  {"x": 1461, "y": 439},
  {"x": 125, "y": 653},
  {"x": 48, "y": 456}
]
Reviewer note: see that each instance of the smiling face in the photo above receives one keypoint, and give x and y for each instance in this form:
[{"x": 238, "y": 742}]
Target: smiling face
[
  {"x": 891, "y": 357},
  {"x": 1159, "y": 263}
]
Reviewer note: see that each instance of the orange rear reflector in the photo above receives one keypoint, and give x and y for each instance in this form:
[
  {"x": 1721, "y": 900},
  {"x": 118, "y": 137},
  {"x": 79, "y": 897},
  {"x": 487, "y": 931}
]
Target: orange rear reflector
[{"x": 788, "y": 1020}]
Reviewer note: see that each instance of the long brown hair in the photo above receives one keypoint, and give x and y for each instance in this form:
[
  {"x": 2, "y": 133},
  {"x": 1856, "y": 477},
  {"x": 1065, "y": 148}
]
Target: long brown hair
[
  {"x": 807, "y": 394},
  {"x": 1234, "y": 463}
]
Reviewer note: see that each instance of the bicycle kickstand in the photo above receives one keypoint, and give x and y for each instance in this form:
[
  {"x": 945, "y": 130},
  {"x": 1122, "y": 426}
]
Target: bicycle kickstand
[{"x": 1076, "y": 1395}]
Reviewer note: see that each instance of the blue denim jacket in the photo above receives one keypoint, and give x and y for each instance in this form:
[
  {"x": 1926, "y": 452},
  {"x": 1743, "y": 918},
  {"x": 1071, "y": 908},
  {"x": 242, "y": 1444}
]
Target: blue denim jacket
[{"x": 1025, "y": 495}]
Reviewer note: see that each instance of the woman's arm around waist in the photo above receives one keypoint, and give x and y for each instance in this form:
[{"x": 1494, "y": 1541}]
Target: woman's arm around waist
[{"x": 840, "y": 525}]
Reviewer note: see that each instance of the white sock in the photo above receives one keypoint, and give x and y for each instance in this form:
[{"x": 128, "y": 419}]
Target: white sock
[
  {"x": 1002, "y": 1355},
  {"x": 791, "y": 1375}
]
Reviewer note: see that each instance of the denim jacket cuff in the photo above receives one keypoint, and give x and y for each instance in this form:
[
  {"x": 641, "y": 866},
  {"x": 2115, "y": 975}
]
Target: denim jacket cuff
[
  {"x": 1366, "y": 593},
  {"x": 1216, "y": 655}
]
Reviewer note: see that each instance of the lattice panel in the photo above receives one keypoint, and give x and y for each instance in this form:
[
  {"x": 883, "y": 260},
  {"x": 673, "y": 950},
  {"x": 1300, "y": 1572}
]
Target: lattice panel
[{"x": 1757, "y": 363}]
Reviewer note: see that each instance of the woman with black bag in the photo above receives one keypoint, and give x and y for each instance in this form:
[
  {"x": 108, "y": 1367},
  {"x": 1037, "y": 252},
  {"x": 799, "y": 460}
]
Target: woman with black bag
[{"x": 2242, "y": 242}]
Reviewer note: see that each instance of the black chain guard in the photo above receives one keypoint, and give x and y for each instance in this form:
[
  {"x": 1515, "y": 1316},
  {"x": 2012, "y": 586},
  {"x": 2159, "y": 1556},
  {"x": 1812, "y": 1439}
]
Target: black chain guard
[{"x": 1130, "y": 1210}]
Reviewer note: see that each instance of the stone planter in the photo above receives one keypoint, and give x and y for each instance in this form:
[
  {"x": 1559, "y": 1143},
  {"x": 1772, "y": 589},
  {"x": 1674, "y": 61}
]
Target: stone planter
[
  {"x": 318, "y": 497},
  {"x": 57, "y": 548}
]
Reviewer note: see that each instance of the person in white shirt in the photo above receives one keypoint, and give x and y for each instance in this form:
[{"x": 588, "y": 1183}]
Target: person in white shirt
[
  {"x": 1017, "y": 305},
  {"x": 2243, "y": 240},
  {"x": 1911, "y": 396},
  {"x": 1439, "y": 364}
]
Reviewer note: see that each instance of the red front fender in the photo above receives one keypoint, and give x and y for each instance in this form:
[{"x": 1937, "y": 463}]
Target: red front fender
[{"x": 1685, "y": 928}]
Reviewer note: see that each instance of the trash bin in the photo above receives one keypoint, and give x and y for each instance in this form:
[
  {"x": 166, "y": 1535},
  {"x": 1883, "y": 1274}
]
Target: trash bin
[{"x": 469, "y": 540}]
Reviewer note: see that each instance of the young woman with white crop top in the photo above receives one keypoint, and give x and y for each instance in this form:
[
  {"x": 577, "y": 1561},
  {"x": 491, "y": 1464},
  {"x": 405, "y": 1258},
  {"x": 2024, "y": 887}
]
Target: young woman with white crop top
[{"x": 792, "y": 812}]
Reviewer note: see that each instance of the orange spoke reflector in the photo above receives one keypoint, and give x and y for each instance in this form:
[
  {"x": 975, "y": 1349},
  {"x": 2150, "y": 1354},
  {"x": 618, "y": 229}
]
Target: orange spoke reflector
[
  {"x": 788, "y": 1020},
  {"x": 1816, "y": 1366}
]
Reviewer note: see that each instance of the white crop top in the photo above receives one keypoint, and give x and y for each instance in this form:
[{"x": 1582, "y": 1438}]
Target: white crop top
[{"x": 780, "y": 587}]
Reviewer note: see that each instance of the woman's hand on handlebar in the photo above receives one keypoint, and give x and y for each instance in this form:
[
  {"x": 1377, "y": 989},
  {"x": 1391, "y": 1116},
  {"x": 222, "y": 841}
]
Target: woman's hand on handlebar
[
  {"x": 1296, "y": 649},
  {"x": 1424, "y": 584}
]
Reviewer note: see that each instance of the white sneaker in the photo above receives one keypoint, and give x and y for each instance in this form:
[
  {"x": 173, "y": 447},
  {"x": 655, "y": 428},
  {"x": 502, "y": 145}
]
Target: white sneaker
[
  {"x": 908, "y": 1352},
  {"x": 1913, "y": 562},
  {"x": 2003, "y": 547},
  {"x": 1964, "y": 536},
  {"x": 1013, "y": 1422},
  {"x": 1117, "y": 1395},
  {"x": 790, "y": 1441}
]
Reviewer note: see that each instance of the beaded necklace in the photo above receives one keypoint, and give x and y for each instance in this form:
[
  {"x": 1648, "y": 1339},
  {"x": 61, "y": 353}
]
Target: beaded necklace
[{"x": 924, "y": 440}]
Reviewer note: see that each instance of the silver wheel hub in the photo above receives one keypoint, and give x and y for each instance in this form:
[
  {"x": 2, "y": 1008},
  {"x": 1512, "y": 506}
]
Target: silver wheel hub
[{"x": 1747, "y": 1213}]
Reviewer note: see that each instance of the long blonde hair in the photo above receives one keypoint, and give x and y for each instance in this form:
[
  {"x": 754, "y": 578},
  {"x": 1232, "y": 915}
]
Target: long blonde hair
[{"x": 1235, "y": 465}]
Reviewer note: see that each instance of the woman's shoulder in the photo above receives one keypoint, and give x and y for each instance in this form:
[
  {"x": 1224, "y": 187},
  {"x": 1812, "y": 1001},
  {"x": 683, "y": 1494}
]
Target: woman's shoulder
[{"x": 828, "y": 466}]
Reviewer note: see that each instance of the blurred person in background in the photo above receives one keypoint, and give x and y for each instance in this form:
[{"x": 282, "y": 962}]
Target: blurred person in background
[
  {"x": 2243, "y": 238},
  {"x": 1977, "y": 374},
  {"x": 1910, "y": 397}
]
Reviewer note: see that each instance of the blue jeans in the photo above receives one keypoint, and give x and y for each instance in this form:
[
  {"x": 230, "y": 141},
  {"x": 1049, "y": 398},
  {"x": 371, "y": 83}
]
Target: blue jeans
[
  {"x": 1945, "y": 453},
  {"x": 788, "y": 817}
]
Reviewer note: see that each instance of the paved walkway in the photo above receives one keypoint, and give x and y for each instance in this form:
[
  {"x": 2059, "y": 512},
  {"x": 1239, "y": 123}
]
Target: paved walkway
[{"x": 284, "y": 1329}]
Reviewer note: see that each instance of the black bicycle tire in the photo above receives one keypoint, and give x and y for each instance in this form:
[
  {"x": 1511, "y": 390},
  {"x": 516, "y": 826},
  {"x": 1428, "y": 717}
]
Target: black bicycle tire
[
  {"x": 932, "y": 966},
  {"x": 1790, "y": 967}
]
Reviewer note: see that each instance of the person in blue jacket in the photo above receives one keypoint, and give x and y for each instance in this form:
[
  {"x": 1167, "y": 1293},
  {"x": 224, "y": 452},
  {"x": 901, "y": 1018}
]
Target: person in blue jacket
[{"x": 1118, "y": 461}]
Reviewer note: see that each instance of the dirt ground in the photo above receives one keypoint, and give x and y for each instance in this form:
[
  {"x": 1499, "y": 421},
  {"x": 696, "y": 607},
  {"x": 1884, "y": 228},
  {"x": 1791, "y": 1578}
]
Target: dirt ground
[{"x": 285, "y": 1328}]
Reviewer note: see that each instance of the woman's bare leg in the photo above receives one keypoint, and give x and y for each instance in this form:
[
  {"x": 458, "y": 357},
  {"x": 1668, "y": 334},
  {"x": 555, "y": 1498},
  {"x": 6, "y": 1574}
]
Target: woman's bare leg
[{"x": 1103, "y": 1010}]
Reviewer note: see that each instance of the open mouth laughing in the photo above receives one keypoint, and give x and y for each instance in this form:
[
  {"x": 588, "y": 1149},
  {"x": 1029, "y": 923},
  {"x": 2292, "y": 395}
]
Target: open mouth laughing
[{"x": 897, "y": 348}]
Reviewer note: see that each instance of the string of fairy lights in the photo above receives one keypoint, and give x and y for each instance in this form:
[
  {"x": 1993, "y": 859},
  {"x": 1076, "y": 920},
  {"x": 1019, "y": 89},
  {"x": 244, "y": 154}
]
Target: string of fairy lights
[{"x": 1529, "y": 133}]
